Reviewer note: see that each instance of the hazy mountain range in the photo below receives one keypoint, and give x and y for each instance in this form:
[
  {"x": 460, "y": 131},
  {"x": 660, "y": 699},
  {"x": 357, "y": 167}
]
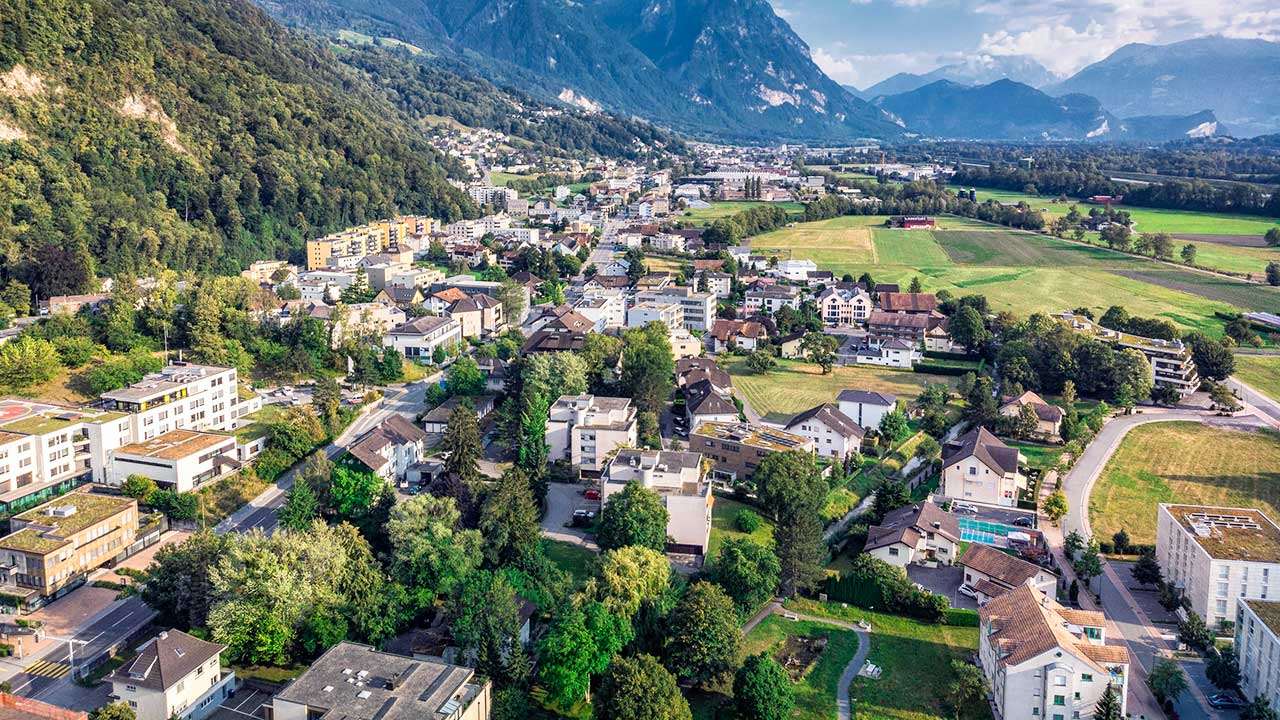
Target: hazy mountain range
[{"x": 976, "y": 70}]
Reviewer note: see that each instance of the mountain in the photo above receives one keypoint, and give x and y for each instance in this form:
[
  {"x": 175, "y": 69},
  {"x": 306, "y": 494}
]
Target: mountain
[
  {"x": 1007, "y": 110},
  {"x": 198, "y": 134},
  {"x": 1238, "y": 79},
  {"x": 729, "y": 68},
  {"x": 974, "y": 70}
]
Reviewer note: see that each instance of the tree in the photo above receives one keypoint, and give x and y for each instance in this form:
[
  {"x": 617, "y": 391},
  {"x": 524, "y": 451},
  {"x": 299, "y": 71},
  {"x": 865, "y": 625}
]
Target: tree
[
  {"x": 968, "y": 688},
  {"x": 817, "y": 348},
  {"x": 915, "y": 286},
  {"x": 1223, "y": 670},
  {"x": 891, "y": 495},
  {"x": 1195, "y": 633},
  {"x": 486, "y": 625},
  {"x": 514, "y": 299},
  {"x": 27, "y": 361},
  {"x": 463, "y": 444},
  {"x": 138, "y": 487},
  {"x": 114, "y": 711},
  {"x": 1214, "y": 358},
  {"x": 968, "y": 329},
  {"x": 981, "y": 407},
  {"x": 509, "y": 522},
  {"x": 566, "y": 658},
  {"x": 748, "y": 572},
  {"x": 704, "y": 641},
  {"x": 788, "y": 484},
  {"x": 1108, "y": 706},
  {"x": 762, "y": 690},
  {"x": 1166, "y": 680},
  {"x": 1259, "y": 709},
  {"x": 301, "y": 507},
  {"x": 1272, "y": 236},
  {"x": 639, "y": 688},
  {"x": 648, "y": 367},
  {"x": 801, "y": 552},
  {"x": 1133, "y": 377},
  {"x": 1120, "y": 540},
  {"x": 635, "y": 516},
  {"x": 627, "y": 577},
  {"x": 1188, "y": 254},
  {"x": 1089, "y": 565},
  {"x": 1147, "y": 569},
  {"x": 353, "y": 491},
  {"x": 1072, "y": 544},
  {"x": 17, "y": 295},
  {"x": 178, "y": 585},
  {"x": 465, "y": 378},
  {"x": 761, "y": 361},
  {"x": 894, "y": 426},
  {"x": 430, "y": 551}
]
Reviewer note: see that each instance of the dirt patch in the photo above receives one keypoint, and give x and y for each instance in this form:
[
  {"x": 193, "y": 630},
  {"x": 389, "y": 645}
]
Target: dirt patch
[
  {"x": 799, "y": 654},
  {"x": 19, "y": 82},
  {"x": 144, "y": 107},
  {"x": 11, "y": 132},
  {"x": 1235, "y": 240}
]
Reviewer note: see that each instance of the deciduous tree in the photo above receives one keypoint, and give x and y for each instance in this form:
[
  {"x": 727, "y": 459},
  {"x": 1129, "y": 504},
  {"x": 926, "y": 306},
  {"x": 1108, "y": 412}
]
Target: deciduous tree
[
  {"x": 634, "y": 516},
  {"x": 639, "y": 688},
  {"x": 762, "y": 690},
  {"x": 705, "y": 641}
]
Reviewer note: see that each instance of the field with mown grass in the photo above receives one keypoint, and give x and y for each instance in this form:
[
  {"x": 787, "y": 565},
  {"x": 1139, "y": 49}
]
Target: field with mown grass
[
  {"x": 576, "y": 560},
  {"x": 723, "y": 209},
  {"x": 724, "y": 515},
  {"x": 1261, "y": 372},
  {"x": 1183, "y": 462}
]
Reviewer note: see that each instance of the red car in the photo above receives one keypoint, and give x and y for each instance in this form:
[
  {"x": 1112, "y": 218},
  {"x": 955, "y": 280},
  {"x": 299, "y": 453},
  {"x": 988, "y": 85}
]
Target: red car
[{"x": 591, "y": 494}]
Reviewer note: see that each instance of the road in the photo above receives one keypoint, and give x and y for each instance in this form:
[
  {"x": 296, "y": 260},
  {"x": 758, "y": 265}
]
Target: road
[
  {"x": 600, "y": 256},
  {"x": 1256, "y": 402}
]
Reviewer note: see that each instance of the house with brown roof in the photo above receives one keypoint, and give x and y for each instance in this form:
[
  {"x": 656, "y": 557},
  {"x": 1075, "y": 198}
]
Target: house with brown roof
[
  {"x": 175, "y": 675},
  {"x": 916, "y": 533},
  {"x": 1047, "y": 661},
  {"x": 389, "y": 449},
  {"x": 1048, "y": 417},
  {"x": 479, "y": 316},
  {"x": 908, "y": 302},
  {"x": 910, "y": 327},
  {"x": 993, "y": 573},
  {"x": 725, "y": 335},
  {"x": 978, "y": 467}
]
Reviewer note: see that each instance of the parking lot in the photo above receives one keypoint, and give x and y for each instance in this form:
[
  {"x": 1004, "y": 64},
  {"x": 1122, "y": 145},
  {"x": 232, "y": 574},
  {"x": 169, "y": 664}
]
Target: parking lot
[
  {"x": 944, "y": 581},
  {"x": 246, "y": 703}
]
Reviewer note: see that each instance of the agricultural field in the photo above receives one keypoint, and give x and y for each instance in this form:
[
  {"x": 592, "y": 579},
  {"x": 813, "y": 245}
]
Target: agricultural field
[
  {"x": 664, "y": 264},
  {"x": 722, "y": 209},
  {"x": 915, "y": 660},
  {"x": 796, "y": 386},
  {"x": 1260, "y": 372},
  {"x": 502, "y": 179},
  {"x": 834, "y": 241},
  {"x": 919, "y": 248},
  {"x": 1240, "y": 294},
  {"x": 1187, "y": 462}
]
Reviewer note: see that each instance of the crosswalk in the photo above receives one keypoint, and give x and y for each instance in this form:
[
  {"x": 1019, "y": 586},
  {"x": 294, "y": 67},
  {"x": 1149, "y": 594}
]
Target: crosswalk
[{"x": 48, "y": 669}]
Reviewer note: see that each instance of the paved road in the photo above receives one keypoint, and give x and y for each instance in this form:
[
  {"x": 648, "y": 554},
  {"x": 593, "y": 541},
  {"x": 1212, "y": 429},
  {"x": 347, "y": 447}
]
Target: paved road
[
  {"x": 1261, "y": 405},
  {"x": 600, "y": 256}
]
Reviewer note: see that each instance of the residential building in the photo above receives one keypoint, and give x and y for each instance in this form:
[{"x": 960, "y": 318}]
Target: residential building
[
  {"x": 923, "y": 533},
  {"x": 179, "y": 460},
  {"x": 436, "y": 420},
  {"x": 54, "y": 546},
  {"x": 684, "y": 344},
  {"x": 668, "y": 314},
  {"x": 389, "y": 449},
  {"x": 552, "y": 341},
  {"x": 737, "y": 449},
  {"x": 907, "y": 302},
  {"x": 584, "y": 429},
  {"x": 938, "y": 338},
  {"x": 356, "y": 682},
  {"x": 699, "y": 308},
  {"x": 1047, "y": 661},
  {"x": 912, "y": 222},
  {"x": 791, "y": 346},
  {"x": 72, "y": 304},
  {"x": 1048, "y": 417},
  {"x": 668, "y": 242},
  {"x": 263, "y": 272},
  {"x": 182, "y": 395},
  {"x": 1257, "y": 648},
  {"x": 419, "y": 338},
  {"x": 604, "y": 309},
  {"x": 992, "y": 573},
  {"x": 1216, "y": 555},
  {"x": 1171, "y": 363},
  {"x": 833, "y": 434},
  {"x": 882, "y": 351},
  {"x": 771, "y": 299},
  {"x": 614, "y": 268},
  {"x": 909, "y": 328},
  {"x": 479, "y": 316},
  {"x": 364, "y": 322},
  {"x": 866, "y": 407},
  {"x": 706, "y": 402},
  {"x": 726, "y": 335},
  {"x": 844, "y": 305},
  {"x": 678, "y": 479},
  {"x": 718, "y": 283},
  {"x": 795, "y": 270},
  {"x": 977, "y": 467},
  {"x": 399, "y": 296},
  {"x": 175, "y": 676}
]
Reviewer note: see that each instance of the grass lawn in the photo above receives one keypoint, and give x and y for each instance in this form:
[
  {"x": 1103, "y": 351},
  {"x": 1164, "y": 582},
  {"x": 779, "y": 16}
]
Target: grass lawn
[
  {"x": 723, "y": 515},
  {"x": 916, "y": 660},
  {"x": 502, "y": 179},
  {"x": 797, "y": 386},
  {"x": 721, "y": 209},
  {"x": 223, "y": 497},
  {"x": 917, "y": 248},
  {"x": 573, "y": 559},
  {"x": 1261, "y": 372},
  {"x": 846, "y": 238},
  {"x": 664, "y": 264},
  {"x": 1235, "y": 292},
  {"x": 1038, "y": 456},
  {"x": 1184, "y": 462}
]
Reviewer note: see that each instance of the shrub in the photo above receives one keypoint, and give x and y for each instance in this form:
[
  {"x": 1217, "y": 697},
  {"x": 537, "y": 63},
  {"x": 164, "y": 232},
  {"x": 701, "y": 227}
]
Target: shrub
[
  {"x": 875, "y": 583},
  {"x": 747, "y": 521},
  {"x": 960, "y": 617}
]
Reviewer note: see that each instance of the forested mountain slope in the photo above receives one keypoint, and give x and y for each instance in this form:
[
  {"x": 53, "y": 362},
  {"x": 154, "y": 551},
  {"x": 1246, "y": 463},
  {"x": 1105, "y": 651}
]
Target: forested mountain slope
[{"x": 196, "y": 133}]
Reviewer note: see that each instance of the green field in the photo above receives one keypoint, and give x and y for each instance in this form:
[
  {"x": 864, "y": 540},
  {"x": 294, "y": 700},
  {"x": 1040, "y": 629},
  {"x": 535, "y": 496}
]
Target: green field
[
  {"x": 917, "y": 248},
  {"x": 1261, "y": 372},
  {"x": 915, "y": 660},
  {"x": 576, "y": 560},
  {"x": 1241, "y": 294},
  {"x": 841, "y": 239},
  {"x": 721, "y": 209},
  {"x": 797, "y": 386},
  {"x": 723, "y": 515},
  {"x": 1188, "y": 463}
]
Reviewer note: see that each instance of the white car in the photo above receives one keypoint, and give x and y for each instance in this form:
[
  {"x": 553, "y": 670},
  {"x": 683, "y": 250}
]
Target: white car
[
  {"x": 967, "y": 590},
  {"x": 963, "y": 507}
]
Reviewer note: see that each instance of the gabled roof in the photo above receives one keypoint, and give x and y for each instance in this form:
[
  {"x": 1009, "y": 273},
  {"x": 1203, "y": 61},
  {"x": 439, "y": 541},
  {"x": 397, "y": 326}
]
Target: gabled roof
[
  {"x": 830, "y": 415},
  {"x": 421, "y": 326},
  {"x": 166, "y": 660},
  {"x": 908, "y": 524},
  {"x": 450, "y": 295},
  {"x": 546, "y": 341},
  {"x": 908, "y": 302},
  {"x": 1025, "y": 623},
  {"x": 1044, "y": 411},
  {"x": 980, "y": 443},
  {"x": 880, "y": 318},
  {"x": 725, "y": 330},
  {"x": 999, "y": 566},
  {"x": 704, "y": 398},
  {"x": 568, "y": 319},
  {"x": 395, "y": 430},
  {"x": 867, "y": 397}
]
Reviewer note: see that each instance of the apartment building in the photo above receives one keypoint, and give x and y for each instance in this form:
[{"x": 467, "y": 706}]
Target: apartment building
[
  {"x": 182, "y": 395},
  {"x": 418, "y": 339},
  {"x": 770, "y": 299},
  {"x": 389, "y": 449},
  {"x": 834, "y": 434},
  {"x": 978, "y": 467},
  {"x": 605, "y": 309},
  {"x": 737, "y": 449},
  {"x": 352, "y": 243},
  {"x": 1047, "y": 661},
  {"x": 699, "y": 308},
  {"x": 668, "y": 314},
  {"x": 263, "y": 272},
  {"x": 52, "y": 547},
  {"x": 356, "y": 682},
  {"x": 1217, "y": 555},
  {"x": 175, "y": 676},
  {"x": 866, "y": 407},
  {"x": 179, "y": 460},
  {"x": 678, "y": 479},
  {"x": 1257, "y": 648},
  {"x": 908, "y": 327},
  {"x": 584, "y": 429},
  {"x": 844, "y": 306},
  {"x": 1171, "y": 362}
]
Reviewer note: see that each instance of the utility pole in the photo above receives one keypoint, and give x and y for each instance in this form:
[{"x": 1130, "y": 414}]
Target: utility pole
[{"x": 71, "y": 650}]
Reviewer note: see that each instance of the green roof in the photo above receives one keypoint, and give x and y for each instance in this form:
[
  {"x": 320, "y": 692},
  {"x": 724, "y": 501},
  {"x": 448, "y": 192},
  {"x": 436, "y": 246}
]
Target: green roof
[
  {"x": 39, "y": 425},
  {"x": 31, "y": 541},
  {"x": 90, "y": 510},
  {"x": 260, "y": 423}
]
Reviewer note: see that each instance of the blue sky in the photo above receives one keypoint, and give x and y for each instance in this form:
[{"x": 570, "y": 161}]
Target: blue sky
[{"x": 861, "y": 42}]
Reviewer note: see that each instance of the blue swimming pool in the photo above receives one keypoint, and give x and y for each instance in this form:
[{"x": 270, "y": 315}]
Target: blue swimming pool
[{"x": 987, "y": 533}]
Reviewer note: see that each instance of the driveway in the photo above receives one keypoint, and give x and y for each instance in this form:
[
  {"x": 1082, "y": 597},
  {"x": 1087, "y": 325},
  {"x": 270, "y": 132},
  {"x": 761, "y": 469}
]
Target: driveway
[
  {"x": 944, "y": 581},
  {"x": 562, "y": 500}
]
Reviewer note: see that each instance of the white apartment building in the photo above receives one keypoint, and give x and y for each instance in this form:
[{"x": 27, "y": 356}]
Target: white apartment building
[
  {"x": 1216, "y": 555},
  {"x": 584, "y": 429},
  {"x": 795, "y": 270},
  {"x": 1047, "y": 661},
  {"x": 180, "y": 460},
  {"x": 175, "y": 675},
  {"x": 667, "y": 313},
  {"x": 678, "y": 479},
  {"x": 419, "y": 338},
  {"x": 391, "y": 448},
  {"x": 485, "y": 195},
  {"x": 842, "y": 306},
  {"x": 604, "y": 309},
  {"x": 978, "y": 467},
  {"x": 699, "y": 308},
  {"x": 771, "y": 299},
  {"x": 182, "y": 395},
  {"x": 1257, "y": 648},
  {"x": 833, "y": 433}
]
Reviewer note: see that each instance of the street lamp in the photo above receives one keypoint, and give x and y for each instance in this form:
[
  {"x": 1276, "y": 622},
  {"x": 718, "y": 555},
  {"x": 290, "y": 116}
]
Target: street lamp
[{"x": 71, "y": 650}]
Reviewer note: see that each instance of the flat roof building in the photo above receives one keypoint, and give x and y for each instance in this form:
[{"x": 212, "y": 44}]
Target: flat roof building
[
  {"x": 180, "y": 460},
  {"x": 584, "y": 429},
  {"x": 54, "y": 546},
  {"x": 677, "y": 478},
  {"x": 738, "y": 448}
]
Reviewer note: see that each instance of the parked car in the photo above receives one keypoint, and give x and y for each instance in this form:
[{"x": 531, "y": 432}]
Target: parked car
[
  {"x": 583, "y": 517},
  {"x": 1025, "y": 522},
  {"x": 963, "y": 507},
  {"x": 1225, "y": 701},
  {"x": 967, "y": 590},
  {"x": 591, "y": 494}
]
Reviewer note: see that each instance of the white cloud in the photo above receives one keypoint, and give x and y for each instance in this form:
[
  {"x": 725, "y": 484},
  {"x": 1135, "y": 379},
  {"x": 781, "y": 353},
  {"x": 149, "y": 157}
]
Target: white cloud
[{"x": 864, "y": 70}]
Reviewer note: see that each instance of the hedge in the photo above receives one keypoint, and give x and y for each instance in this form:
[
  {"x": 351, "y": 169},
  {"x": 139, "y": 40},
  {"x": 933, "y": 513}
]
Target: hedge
[
  {"x": 874, "y": 583},
  {"x": 939, "y": 355},
  {"x": 936, "y": 369},
  {"x": 960, "y": 617}
]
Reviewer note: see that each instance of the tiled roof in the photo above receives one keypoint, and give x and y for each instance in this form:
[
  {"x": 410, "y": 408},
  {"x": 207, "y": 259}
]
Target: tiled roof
[
  {"x": 908, "y": 302},
  {"x": 907, "y": 524},
  {"x": 1001, "y": 567},
  {"x": 867, "y": 397},
  {"x": 1044, "y": 411},
  {"x": 395, "y": 430},
  {"x": 830, "y": 415},
  {"x": 986, "y": 447},
  {"x": 165, "y": 660},
  {"x": 1025, "y": 623}
]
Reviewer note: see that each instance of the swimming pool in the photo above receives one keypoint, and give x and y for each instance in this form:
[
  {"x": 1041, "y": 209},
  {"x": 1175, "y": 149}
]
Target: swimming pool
[{"x": 987, "y": 533}]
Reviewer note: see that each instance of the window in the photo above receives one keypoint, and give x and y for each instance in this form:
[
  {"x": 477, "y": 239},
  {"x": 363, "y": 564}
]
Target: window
[
  {"x": 1093, "y": 633},
  {"x": 133, "y": 704},
  {"x": 1059, "y": 700},
  {"x": 1086, "y": 677},
  {"x": 1060, "y": 681},
  {"x": 893, "y": 551}
]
